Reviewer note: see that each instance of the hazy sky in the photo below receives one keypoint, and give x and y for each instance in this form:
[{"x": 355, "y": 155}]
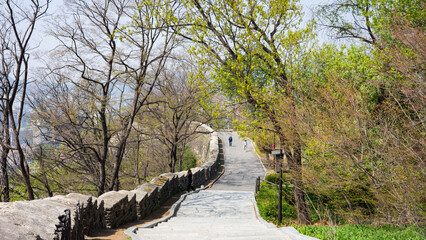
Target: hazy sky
[{"x": 47, "y": 43}]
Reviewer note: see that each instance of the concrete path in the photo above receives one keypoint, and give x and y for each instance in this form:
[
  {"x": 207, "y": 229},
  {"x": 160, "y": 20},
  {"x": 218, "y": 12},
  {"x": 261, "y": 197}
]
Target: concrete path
[
  {"x": 227, "y": 211},
  {"x": 242, "y": 167}
]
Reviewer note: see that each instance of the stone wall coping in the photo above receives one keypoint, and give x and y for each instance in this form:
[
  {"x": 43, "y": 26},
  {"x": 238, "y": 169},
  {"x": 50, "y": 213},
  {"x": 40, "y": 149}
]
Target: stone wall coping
[
  {"x": 112, "y": 198},
  {"x": 159, "y": 181},
  {"x": 207, "y": 164},
  {"x": 181, "y": 174},
  {"x": 168, "y": 175},
  {"x": 26, "y": 215},
  {"x": 196, "y": 170},
  {"x": 71, "y": 202},
  {"x": 80, "y": 197},
  {"x": 130, "y": 194},
  {"x": 140, "y": 194},
  {"x": 148, "y": 187},
  {"x": 42, "y": 218}
]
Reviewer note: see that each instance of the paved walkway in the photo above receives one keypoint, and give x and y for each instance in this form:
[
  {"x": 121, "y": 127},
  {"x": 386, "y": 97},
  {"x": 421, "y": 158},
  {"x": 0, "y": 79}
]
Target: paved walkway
[
  {"x": 228, "y": 210},
  {"x": 242, "y": 167}
]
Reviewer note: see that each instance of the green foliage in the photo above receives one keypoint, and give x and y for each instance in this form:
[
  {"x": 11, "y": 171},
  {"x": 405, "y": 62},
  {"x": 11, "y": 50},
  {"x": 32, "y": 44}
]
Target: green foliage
[
  {"x": 267, "y": 202},
  {"x": 17, "y": 192},
  {"x": 189, "y": 160},
  {"x": 365, "y": 232},
  {"x": 324, "y": 201},
  {"x": 357, "y": 111},
  {"x": 274, "y": 177}
]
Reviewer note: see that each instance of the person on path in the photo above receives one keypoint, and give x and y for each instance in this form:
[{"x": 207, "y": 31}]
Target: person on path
[
  {"x": 230, "y": 140},
  {"x": 245, "y": 144},
  {"x": 189, "y": 175}
]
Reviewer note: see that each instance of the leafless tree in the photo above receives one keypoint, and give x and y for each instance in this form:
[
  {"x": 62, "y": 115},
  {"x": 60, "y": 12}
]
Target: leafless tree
[
  {"x": 349, "y": 19},
  {"x": 175, "y": 116},
  {"x": 112, "y": 54},
  {"x": 18, "y": 23}
]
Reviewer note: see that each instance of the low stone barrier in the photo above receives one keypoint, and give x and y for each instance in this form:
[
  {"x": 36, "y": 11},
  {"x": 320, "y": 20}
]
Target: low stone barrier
[
  {"x": 120, "y": 207},
  {"x": 72, "y": 216},
  {"x": 40, "y": 219},
  {"x": 89, "y": 213}
]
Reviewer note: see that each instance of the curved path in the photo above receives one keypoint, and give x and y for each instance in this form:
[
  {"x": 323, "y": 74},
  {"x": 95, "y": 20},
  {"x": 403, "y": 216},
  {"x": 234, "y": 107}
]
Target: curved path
[
  {"x": 242, "y": 167},
  {"x": 226, "y": 211}
]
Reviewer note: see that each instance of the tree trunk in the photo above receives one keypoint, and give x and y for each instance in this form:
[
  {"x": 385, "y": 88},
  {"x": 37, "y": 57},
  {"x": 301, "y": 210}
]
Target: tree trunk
[
  {"x": 102, "y": 178},
  {"x": 180, "y": 164},
  {"x": 137, "y": 163},
  {"x": 43, "y": 171},
  {"x": 23, "y": 165},
  {"x": 115, "y": 183},
  {"x": 295, "y": 165},
  {"x": 173, "y": 158},
  {"x": 4, "y": 175},
  {"x": 25, "y": 170},
  {"x": 145, "y": 172},
  {"x": 4, "y": 153}
]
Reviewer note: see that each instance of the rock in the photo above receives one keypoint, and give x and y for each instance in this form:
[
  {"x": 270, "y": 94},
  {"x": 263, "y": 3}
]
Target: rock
[{"x": 34, "y": 219}]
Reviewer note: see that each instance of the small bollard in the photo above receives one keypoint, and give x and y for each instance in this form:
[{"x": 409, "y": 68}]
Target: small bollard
[{"x": 257, "y": 187}]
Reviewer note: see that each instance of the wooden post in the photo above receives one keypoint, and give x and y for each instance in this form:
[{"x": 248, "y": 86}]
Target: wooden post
[
  {"x": 275, "y": 162},
  {"x": 280, "y": 191},
  {"x": 257, "y": 188}
]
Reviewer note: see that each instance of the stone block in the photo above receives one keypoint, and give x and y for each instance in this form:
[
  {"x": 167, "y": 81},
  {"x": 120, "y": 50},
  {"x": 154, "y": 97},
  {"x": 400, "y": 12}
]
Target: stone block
[
  {"x": 117, "y": 207},
  {"x": 131, "y": 210},
  {"x": 182, "y": 180},
  {"x": 163, "y": 188},
  {"x": 173, "y": 183},
  {"x": 37, "y": 219},
  {"x": 198, "y": 176},
  {"x": 153, "y": 195},
  {"x": 92, "y": 215},
  {"x": 79, "y": 212},
  {"x": 141, "y": 203}
]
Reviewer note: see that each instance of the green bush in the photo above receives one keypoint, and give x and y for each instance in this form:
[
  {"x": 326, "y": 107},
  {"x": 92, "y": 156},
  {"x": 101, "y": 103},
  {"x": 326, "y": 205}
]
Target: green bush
[
  {"x": 287, "y": 188},
  {"x": 275, "y": 177},
  {"x": 189, "y": 160}
]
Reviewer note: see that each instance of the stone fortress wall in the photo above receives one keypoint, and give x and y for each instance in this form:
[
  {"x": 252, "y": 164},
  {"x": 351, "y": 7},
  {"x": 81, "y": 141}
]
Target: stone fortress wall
[{"x": 75, "y": 215}]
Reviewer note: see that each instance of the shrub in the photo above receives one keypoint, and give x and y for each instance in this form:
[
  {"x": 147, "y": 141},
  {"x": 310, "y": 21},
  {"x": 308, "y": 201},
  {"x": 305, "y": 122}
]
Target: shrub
[
  {"x": 189, "y": 160},
  {"x": 268, "y": 204},
  {"x": 275, "y": 177}
]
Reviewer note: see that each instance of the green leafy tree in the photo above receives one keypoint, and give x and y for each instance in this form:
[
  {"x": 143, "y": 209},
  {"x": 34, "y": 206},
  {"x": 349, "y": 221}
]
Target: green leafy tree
[
  {"x": 248, "y": 45},
  {"x": 379, "y": 94}
]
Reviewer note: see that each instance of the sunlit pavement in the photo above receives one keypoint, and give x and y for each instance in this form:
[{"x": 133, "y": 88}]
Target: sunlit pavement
[{"x": 226, "y": 211}]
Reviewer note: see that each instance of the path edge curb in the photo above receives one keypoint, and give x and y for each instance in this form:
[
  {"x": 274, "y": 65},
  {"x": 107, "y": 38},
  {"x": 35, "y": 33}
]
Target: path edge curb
[{"x": 253, "y": 144}]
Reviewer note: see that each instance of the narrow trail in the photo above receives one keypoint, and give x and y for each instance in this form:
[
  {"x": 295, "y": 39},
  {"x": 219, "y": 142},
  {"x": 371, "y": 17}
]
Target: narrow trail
[{"x": 225, "y": 211}]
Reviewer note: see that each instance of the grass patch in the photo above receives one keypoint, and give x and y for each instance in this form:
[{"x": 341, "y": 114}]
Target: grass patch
[
  {"x": 365, "y": 232},
  {"x": 267, "y": 202}
]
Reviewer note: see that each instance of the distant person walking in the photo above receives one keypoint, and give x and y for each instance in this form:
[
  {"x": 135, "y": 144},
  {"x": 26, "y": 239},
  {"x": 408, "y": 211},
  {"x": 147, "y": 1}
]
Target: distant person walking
[
  {"x": 189, "y": 175},
  {"x": 245, "y": 144},
  {"x": 230, "y": 140}
]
